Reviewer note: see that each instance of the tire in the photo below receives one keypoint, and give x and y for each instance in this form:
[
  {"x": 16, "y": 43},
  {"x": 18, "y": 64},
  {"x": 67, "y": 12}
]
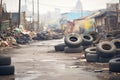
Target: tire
[
  {"x": 116, "y": 56},
  {"x": 115, "y": 32},
  {"x": 7, "y": 70},
  {"x": 116, "y": 42},
  {"x": 5, "y": 60},
  {"x": 73, "y": 40},
  {"x": 91, "y": 50},
  {"x": 95, "y": 36},
  {"x": 106, "y": 49},
  {"x": 91, "y": 57},
  {"x": 109, "y": 35},
  {"x": 117, "y": 36},
  {"x": 73, "y": 50},
  {"x": 103, "y": 60},
  {"x": 114, "y": 65},
  {"x": 86, "y": 39},
  {"x": 60, "y": 47}
]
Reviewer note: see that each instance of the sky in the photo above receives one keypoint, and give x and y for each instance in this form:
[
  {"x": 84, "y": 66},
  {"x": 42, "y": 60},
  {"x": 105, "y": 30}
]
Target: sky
[{"x": 51, "y": 5}]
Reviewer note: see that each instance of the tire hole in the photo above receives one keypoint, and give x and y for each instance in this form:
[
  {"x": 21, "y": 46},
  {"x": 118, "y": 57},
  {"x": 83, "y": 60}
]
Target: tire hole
[
  {"x": 87, "y": 37},
  {"x": 73, "y": 39},
  {"x": 106, "y": 47},
  {"x": 93, "y": 49}
]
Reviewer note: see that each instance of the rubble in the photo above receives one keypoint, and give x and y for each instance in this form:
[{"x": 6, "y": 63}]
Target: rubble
[{"x": 48, "y": 35}]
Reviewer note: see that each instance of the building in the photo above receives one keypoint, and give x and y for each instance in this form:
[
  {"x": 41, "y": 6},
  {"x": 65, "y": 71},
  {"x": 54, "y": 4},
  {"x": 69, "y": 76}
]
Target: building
[{"x": 106, "y": 20}]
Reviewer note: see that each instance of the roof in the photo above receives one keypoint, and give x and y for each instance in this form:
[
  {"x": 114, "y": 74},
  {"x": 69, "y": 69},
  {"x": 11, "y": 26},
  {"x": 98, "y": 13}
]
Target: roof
[
  {"x": 105, "y": 13},
  {"x": 76, "y": 15}
]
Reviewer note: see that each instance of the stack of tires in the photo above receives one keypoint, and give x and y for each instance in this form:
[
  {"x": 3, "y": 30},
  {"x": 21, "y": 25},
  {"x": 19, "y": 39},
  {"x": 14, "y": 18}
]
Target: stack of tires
[
  {"x": 106, "y": 51},
  {"x": 5, "y": 66},
  {"x": 91, "y": 54},
  {"x": 114, "y": 64},
  {"x": 103, "y": 52},
  {"x": 73, "y": 43}
]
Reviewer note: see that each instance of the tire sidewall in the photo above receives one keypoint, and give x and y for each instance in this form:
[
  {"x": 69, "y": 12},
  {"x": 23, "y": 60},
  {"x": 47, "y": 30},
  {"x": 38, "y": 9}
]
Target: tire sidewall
[
  {"x": 72, "y": 44},
  {"x": 106, "y": 53}
]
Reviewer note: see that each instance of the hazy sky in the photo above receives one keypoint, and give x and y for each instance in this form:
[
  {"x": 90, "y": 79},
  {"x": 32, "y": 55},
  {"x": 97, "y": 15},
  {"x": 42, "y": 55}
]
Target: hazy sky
[{"x": 63, "y": 5}]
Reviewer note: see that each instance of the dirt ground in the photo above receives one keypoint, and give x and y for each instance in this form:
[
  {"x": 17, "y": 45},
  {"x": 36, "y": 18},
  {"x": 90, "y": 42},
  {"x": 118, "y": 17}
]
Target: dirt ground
[{"x": 39, "y": 61}]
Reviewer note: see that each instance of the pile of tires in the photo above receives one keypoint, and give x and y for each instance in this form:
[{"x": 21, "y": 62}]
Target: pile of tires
[
  {"x": 23, "y": 39},
  {"x": 43, "y": 36},
  {"x": 5, "y": 66},
  {"x": 91, "y": 54},
  {"x": 103, "y": 52},
  {"x": 116, "y": 42},
  {"x": 46, "y": 35},
  {"x": 106, "y": 50},
  {"x": 114, "y": 65},
  {"x": 73, "y": 43}
]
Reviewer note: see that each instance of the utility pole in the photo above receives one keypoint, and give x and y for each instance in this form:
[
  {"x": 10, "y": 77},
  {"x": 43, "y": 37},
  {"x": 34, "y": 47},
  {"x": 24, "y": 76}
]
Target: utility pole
[
  {"x": 19, "y": 13},
  {"x": 1, "y": 2},
  {"x": 38, "y": 14},
  {"x": 25, "y": 14},
  {"x": 1, "y": 14},
  {"x": 33, "y": 13},
  {"x": 118, "y": 14}
]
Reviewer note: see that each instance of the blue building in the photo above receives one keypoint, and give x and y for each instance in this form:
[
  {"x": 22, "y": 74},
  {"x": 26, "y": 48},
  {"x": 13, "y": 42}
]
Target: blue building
[{"x": 76, "y": 15}]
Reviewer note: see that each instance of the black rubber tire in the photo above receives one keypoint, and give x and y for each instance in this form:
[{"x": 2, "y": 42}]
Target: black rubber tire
[
  {"x": 114, "y": 65},
  {"x": 95, "y": 36},
  {"x": 91, "y": 57},
  {"x": 116, "y": 42},
  {"x": 106, "y": 49},
  {"x": 103, "y": 60},
  {"x": 7, "y": 70},
  {"x": 115, "y": 32},
  {"x": 91, "y": 50},
  {"x": 87, "y": 39},
  {"x": 5, "y": 60},
  {"x": 60, "y": 47},
  {"x": 73, "y": 50},
  {"x": 117, "y": 36},
  {"x": 73, "y": 40},
  {"x": 116, "y": 56}
]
